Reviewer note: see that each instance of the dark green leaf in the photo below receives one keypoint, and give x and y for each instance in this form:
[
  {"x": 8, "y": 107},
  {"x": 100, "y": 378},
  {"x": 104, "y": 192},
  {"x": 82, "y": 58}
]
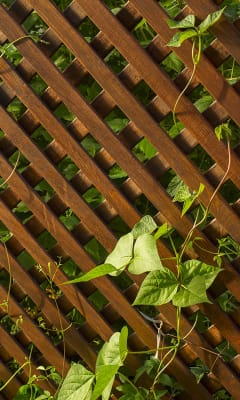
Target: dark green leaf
[
  {"x": 158, "y": 288},
  {"x": 146, "y": 256},
  {"x": 180, "y": 37}
]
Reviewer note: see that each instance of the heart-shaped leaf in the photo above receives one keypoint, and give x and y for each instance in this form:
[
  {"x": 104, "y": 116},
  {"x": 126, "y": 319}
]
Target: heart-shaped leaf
[
  {"x": 210, "y": 20},
  {"x": 145, "y": 225},
  {"x": 158, "y": 288},
  {"x": 121, "y": 254},
  {"x": 192, "y": 268},
  {"x": 77, "y": 384},
  {"x": 145, "y": 255},
  {"x": 193, "y": 293}
]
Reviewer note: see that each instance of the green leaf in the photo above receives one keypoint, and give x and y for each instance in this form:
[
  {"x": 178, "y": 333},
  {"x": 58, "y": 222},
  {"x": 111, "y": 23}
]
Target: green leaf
[
  {"x": 192, "y": 293},
  {"x": 210, "y": 20},
  {"x": 109, "y": 360},
  {"x": 77, "y": 384},
  {"x": 187, "y": 22},
  {"x": 180, "y": 37},
  {"x": 104, "y": 381},
  {"x": 188, "y": 202},
  {"x": 121, "y": 255},
  {"x": 162, "y": 231},
  {"x": 192, "y": 268},
  {"x": 178, "y": 189},
  {"x": 158, "y": 288},
  {"x": 123, "y": 350},
  {"x": 145, "y": 225},
  {"x": 146, "y": 256},
  {"x": 96, "y": 272}
]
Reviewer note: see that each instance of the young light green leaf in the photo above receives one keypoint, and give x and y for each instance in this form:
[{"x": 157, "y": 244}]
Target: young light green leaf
[
  {"x": 210, "y": 20},
  {"x": 77, "y": 384},
  {"x": 123, "y": 350},
  {"x": 146, "y": 256},
  {"x": 121, "y": 255},
  {"x": 108, "y": 362},
  {"x": 180, "y": 37},
  {"x": 96, "y": 272},
  {"x": 145, "y": 225},
  {"x": 192, "y": 268},
  {"x": 187, "y": 22},
  {"x": 192, "y": 293},
  {"x": 104, "y": 381},
  {"x": 158, "y": 288},
  {"x": 163, "y": 230}
]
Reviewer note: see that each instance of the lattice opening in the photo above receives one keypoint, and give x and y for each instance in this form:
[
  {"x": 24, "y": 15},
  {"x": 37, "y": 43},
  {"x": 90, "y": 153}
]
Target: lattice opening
[
  {"x": 70, "y": 268},
  {"x": 201, "y": 158},
  {"x": 96, "y": 250},
  {"x": 230, "y": 192},
  {"x": 46, "y": 240},
  {"x": 172, "y": 65},
  {"x": 38, "y": 84},
  {"x": 93, "y": 197},
  {"x": 202, "y": 321},
  {"x": 226, "y": 351},
  {"x": 26, "y": 260},
  {"x": 68, "y": 168},
  {"x": 62, "y": 58},
  {"x": 7, "y": 3},
  {"x": 11, "y": 53},
  {"x": 228, "y": 302},
  {"x": 16, "y": 108},
  {"x": 91, "y": 146},
  {"x": 201, "y": 98},
  {"x": 144, "y": 150},
  {"x": 76, "y": 318},
  {"x": 62, "y": 4},
  {"x": 22, "y": 212},
  {"x": 34, "y": 24},
  {"x": 116, "y": 120},
  {"x": 172, "y": 8},
  {"x": 45, "y": 191},
  {"x": 115, "y": 61},
  {"x": 143, "y": 93},
  {"x": 69, "y": 219},
  {"x": 5, "y": 233},
  {"x": 63, "y": 114},
  {"x": 115, "y": 5},
  {"x": 144, "y": 206},
  {"x": 118, "y": 226},
  {"x": 89, "y": 88},
  {"x": 88, "y": 29},
  {"x": 98, "y": 300},
  {"x": 170, "y": 127},
  {"x": 41, "y": 137},
  {"x": 143, "y": 32}
]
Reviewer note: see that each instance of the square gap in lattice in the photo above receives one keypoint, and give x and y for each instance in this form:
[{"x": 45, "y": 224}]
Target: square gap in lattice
[
  {"x": 62, "y": 4},
  {"x": 143, "y": 93},
  {"x": 16, "y": 108},
  {"x": 143, "y": 32},
  {"x": 22, "y": 212},
  {"x": 88, "y": 29},
  {"x": 115, "y": 5},
  {"x": 7, "y": 3},
  {"x": 68, "y": 168},
  {"x": 93, "y": 197},
  {"x": 62, "y": 58},
  {"x": 46, "y": 240},
  {"x": 144, "y": 150},
  {"x": 91, "y": 146},
  {"x": 230, "y": 192},
  {"x": 34, "y": 25},
  {"x": 115, "y": 61},
  {"x": 41, "y": 137},
  {"x": 38, "y": 84},
  {"x": 226, "y": 300},
  {"x": 201, "y": 98},
  {"x": 5, "y": 233},
  {"x": 171, "y": 125},
  {"x": 144, "y": 206},
  {"x": 70, "y": 268},
  {"x": 172, "y": 65},
  {"x": 230, "y": 69},
  {"x": 116, "y": 120},
  {"x": 11, "y": 53},
  {"x": 63, "y": 114},
  {"x": 201, "y": 158},
  {"x": 96, "y": 250},
  {"x": 69, "y": 219},
  {"x": 26, "y": 260},
  {"x": 89, "y": 88},
  {"x": 172, "y": 8},
  {"x": 117, "y": 174},
  {"x": 76, "y": 319},
  {"x": 118, "y": 226},
  {"x": 45, "y": 191},
  {"x": 19, "y": 161}
]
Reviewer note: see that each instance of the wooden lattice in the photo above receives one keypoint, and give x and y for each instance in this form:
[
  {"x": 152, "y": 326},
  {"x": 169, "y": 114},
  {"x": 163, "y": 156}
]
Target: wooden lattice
[{"x": 61, "y": 169}]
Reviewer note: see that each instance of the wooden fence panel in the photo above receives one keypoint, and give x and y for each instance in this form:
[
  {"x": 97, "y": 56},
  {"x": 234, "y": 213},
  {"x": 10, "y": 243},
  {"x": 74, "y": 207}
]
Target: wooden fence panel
[{"x": 51, "y": 180}]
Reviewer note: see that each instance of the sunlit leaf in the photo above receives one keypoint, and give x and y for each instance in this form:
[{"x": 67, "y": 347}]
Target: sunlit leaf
[
  {"x": 145, "y": 256},
  {"x": 192, "y": 293},
  {"x": 210, "y": 20},
  {"x": 77, "y": 384},
  {"x": 96, "y": 272},
  {"x": 145, "y": 225},
  {"x": 158, "y": 288},
  {"x": 187, "y": 22},
  {"x": 121, "y": 254}
]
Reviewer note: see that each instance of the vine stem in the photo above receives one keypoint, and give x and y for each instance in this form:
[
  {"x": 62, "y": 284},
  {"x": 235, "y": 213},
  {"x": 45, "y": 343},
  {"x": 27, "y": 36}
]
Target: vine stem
[{"x": 197, "y": 224}]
